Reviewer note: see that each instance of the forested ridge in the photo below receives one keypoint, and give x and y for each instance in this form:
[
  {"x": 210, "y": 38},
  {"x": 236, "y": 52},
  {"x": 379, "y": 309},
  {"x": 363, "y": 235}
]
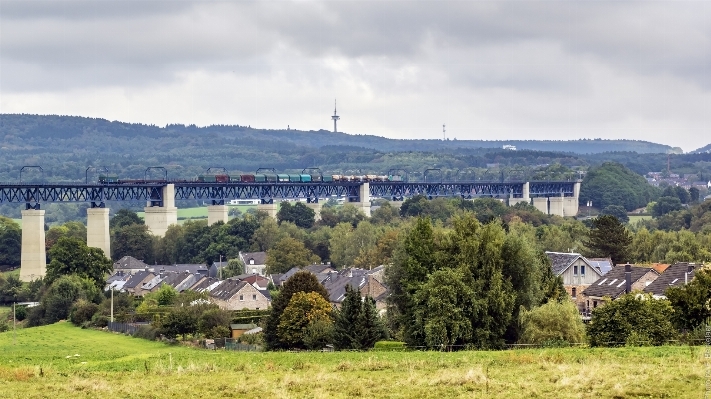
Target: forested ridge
[{"x": 66, "y": 145}]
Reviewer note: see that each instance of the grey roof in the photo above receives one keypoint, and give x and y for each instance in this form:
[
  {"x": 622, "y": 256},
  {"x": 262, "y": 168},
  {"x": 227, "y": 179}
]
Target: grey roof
[
  {"x": 336, "y": 283},
  {"x": 260, "y": 258},
  {"x": 129, "y": 262},
  {"x": 136, "y": 279},
  {"x": 227, "y": 289},
  {"x": 206, "y": 284},
  {"x": 561, "y": 261},
  {"x": 612, "y": 284},
  {"x": 673, "y": 276},
  {"x": 603, "y": 265},
  {"x": 179, "y": 268},
  {"x": 150, "y": 284}
]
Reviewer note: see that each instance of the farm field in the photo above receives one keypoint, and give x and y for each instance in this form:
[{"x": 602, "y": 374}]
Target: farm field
[
  {"x": 199, "y": 212},
  {"x": 43, "y": 364}
]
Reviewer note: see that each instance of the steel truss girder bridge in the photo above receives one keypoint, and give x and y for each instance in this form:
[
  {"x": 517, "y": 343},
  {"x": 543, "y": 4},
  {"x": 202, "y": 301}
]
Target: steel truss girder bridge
[{"x": 96, "y": 194}]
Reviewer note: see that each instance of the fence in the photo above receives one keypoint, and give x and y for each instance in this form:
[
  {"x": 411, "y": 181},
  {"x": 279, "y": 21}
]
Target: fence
[
  {"x": 126, "y": 328},
  {"x": 231, "y": 344}
]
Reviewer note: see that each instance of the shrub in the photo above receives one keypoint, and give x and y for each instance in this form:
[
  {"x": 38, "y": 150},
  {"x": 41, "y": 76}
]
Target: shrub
[
  {"x": 20, "y": 313},
  {"x": 390, "y": 346},
  {"x": 146, "y": 332},
  {"x": 553, "y": 322},
  {"x": 630, "y": 319},
  {"x": 82, "y": 311}
]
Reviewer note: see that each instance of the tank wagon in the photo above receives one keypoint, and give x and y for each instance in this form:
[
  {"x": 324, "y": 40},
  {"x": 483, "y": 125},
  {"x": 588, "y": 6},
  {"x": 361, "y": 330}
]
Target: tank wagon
[{"x": 262, "y": 178}]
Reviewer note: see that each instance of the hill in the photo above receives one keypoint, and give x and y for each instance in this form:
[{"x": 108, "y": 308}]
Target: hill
[
  {"x": 42, "y": 360},
  {"x": 705, "y": 149}
]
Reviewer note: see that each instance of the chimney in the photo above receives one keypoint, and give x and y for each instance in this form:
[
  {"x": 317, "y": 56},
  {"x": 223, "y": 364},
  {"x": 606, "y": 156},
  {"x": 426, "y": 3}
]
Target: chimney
[
  {"x": 686, "y": 275},
  {"x": 162, "y": 273},
  {"x": 628, "y": 278}
]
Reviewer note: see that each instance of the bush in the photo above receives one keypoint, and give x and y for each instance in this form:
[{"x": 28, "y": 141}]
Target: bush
[
  {"x": 146, "y": 332},
  {"x": 82, "y": 311},
  {"x": 20, "y": 313},
  {"x": 552, "y": 322},
  {"x": 390, "y": 346},
  {"x": 4, "y": 326},
  {"x": 630, "y": 319},
  {"x": 99, "y": 320}
]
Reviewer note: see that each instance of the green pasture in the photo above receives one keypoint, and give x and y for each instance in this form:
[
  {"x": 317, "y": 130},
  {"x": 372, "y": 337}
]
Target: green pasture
[
  {"x": 200, "y": 212},
  {"x": 64, "y": 361}
]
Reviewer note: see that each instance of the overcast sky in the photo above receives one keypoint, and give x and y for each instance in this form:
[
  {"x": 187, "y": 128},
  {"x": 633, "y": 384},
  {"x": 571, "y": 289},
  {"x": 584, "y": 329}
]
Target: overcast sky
[{"x": 488, "y": 69}]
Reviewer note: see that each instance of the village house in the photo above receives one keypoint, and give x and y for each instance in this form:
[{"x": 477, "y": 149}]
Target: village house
[
  {"x": 254, "y": 262},
  {"x": 577, "y": 273},
  {"x": 676, "y": 275},
  {"x": 257, "y": 280},
  {"x": 130, "y": 265},
  {"x": 618, "y": 281},
  {"x": 367, "y": 282},
  {"x": 238, "y": 295},
  {"x": 134, "y": 283}
]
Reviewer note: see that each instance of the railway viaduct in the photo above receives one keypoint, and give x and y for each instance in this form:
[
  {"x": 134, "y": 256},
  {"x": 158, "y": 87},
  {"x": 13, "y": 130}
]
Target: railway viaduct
[{"x": 553, "y": 198}]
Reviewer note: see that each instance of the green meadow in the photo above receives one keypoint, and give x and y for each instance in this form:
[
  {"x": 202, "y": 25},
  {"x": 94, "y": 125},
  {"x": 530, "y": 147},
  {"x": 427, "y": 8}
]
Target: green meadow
[
  {"x": 63, "y": 361},
  {"x": 200, "y": 212}
]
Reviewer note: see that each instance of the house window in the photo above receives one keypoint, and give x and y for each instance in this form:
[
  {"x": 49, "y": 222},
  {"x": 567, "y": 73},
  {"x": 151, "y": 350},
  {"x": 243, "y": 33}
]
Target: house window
[
  {"x": 582, "y": 270},
  {"x": 254, "y": 297},
  {"x": 575, "y": 270},
  {"x": 575, "y": 291},
  {"x": 241, "y": 297},
  {"x": 588, "y": 305},
  {"x": 594, "y": 304},
  {"x": 251, "y": 261}
]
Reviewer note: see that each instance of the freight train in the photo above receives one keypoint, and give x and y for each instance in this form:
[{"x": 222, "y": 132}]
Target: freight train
[{"x": 262, "y": 178}]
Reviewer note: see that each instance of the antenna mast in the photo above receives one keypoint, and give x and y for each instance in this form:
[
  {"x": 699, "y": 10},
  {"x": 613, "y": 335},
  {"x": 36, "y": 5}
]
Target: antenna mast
[
  {"x": 444, "y": 132},
  {"x": 335, "y": 118}
]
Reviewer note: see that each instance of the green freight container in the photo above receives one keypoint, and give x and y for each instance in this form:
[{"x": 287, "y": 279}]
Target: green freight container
[
  {"x": 270, "y": 178},
  {"x": 108, "y": 179},
  {"x": 282, "y": 178},
  {"x": 316, "y": 178}
]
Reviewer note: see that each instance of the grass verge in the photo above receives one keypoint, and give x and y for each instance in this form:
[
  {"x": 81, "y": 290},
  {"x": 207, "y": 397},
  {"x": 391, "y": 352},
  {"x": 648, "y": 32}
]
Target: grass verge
[{"x": 43, "y": 362}]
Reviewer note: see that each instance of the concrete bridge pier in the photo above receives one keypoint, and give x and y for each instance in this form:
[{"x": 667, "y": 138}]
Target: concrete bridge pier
[
  {"x": 158, "y": 218},
  {"x": 97, "y": 229},
  {"x": 270, "y": 209},
  {"x": 217, "y": 213},
  {"x": 33, "y": 255},
  {"x": 316, "y": 206},
  {"x": 541, "y": 203},
  {"x": 556, "y": 206},
  {"x": 364, "y": 196}
]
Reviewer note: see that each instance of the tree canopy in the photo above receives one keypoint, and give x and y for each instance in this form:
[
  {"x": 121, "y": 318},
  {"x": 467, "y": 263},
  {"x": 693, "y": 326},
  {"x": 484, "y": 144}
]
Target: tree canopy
[{"x": 71, "y": 256}]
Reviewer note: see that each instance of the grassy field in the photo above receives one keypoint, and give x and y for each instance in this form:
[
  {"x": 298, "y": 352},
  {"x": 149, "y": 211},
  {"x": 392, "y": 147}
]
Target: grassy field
[
  {"x": 199, "y": 212},
  {"x": 43, "y": 364}
]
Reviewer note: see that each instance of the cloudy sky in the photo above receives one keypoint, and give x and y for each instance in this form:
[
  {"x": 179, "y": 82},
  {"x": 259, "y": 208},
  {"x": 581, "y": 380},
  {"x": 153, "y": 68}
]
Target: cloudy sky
[{"x": 488, "y": 69}]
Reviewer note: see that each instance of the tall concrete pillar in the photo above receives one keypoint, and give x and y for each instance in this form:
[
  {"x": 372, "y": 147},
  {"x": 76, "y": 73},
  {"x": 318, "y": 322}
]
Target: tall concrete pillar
[
  {"x": 97, "y": 229},
  {"x": 541, "y": 203},
  {"x": 576, "y": 189},
  {"x": 317, "y": 210},
  {"x": 158, "y": 218},
  {"x": 364, "y": 203},
  {"x": 526, "y": 193},
  {"x": 556, "y": 206},
  {"x": 570, "y": 206},
  {"x": 271, "y": 209},
  {"x": 217, "y": 213},
  {"x": 33, "y": 255}
]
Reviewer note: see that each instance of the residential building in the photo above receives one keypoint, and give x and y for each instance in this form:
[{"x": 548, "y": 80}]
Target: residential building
[
  {"x": 365, "y": 281},
  {"x": 131, "y": 265},
  {"x": 675, "y": 275},
  {"x": 237, "y": 295},
  {"x": 134, "y": 283},
  {"x": 254, "y": 262},
  {"x": 576, "y": 272},
  {"x": 616, "y": 282}
]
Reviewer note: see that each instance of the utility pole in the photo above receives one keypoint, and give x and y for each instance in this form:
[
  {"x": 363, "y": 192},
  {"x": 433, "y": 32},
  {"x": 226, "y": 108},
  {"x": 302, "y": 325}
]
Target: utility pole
[
  {"x": 14, "y": 325},
  {"x": 112, "y": 304},
  {"x": 220, "y": 267}
]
